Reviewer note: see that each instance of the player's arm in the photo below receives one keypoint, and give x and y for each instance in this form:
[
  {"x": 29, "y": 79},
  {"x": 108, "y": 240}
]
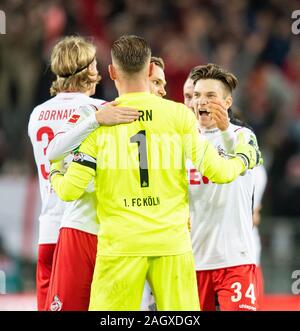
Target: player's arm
[
  {"x": 219, "y": 113},
  {"x": 209, "y": 163},
  {"x": 85, "y": 121},
  {"x": 229, "y": 139},
  {"x": 206, "y": 158},
  {"x": 72, "y": 133},
  {"x": 260, "y": 182},
  {"x": 82, "y": 169}
]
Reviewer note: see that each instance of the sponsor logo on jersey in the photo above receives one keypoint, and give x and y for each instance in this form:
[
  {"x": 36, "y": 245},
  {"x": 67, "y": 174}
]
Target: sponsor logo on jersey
[
  {"x": 74, "y": 118},
  {"x": 56, "y": 305},
  {"x": 244, "y": 306}
]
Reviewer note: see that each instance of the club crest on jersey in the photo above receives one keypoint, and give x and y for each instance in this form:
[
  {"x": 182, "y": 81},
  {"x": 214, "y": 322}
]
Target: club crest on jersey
[
  {"x": 78, "y": 157},
  {"x": 74, "y": 118},
  {"x": 56, "y": 305},
  {"x": 221, "y": 151}
]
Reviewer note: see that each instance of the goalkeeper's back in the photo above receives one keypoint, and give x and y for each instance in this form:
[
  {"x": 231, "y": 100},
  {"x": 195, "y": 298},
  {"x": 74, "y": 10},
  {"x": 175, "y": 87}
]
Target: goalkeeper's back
[{"x": 141, "y": 179}]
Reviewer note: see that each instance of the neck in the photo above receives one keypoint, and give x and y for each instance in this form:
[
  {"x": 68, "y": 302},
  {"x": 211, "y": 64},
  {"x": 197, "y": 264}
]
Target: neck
[
  {"x": 88, "y": 92},
  {"x": 133, "y": 85}
]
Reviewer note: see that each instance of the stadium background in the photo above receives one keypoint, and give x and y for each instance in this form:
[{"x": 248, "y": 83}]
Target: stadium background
[{"x": 251, "y": 38}]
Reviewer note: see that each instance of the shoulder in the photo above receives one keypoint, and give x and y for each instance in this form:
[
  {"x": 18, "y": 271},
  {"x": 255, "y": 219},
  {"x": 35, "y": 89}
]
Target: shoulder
[
  {"x": 89, "y": 106},
  {"x": 95, "y": 102},
  {"x": 172, "y": 104},
  {"x": 86, "y": 110},
  {"x": 43, "y": 105},
  {"x": 183, "y": 116},
  {"x": 248, "y": 133},
  {"x": 33, "y": 120},
  {"x": 176, "y": 109},
  {"x": 39, "y": 108}
]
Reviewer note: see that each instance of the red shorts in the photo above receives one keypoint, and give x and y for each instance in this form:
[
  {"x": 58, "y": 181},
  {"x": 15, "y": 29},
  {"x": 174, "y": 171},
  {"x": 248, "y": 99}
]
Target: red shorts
[
  {"x": 235, "y": 288},
  {"x": 260, "y": 284},
  {"x": 73, "y": 267},
  {"x": 43, "y": 273}
]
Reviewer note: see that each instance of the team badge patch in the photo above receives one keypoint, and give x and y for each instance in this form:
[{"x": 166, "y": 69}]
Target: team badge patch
[
  {"x": 74, "y": 118},
  {"x": 85, "y": 160},
  {"x": 56, "y": 305},
  {"x": 78, "y": 157},
  {"x": 221, "y": 151}
]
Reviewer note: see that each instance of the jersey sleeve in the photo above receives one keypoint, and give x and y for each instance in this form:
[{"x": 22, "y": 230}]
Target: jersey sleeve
[
  {"x": 229, "y": 139},
  {"x": 205, "y": 157},
  {"x": 260, "y": 183},
  {"x": 82, "y": 169},
  {"x": 73, "y": 132}
]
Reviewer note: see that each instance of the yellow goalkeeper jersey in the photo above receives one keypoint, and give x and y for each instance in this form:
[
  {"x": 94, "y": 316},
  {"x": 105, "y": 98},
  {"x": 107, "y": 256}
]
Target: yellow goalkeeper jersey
[{"x": 140, "y": 177}]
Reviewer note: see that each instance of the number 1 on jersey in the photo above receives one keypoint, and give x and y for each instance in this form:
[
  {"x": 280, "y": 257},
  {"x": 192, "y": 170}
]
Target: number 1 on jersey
[{"x": 140, "y": 139}]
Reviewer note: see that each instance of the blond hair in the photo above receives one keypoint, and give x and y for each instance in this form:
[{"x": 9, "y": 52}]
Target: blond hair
[{"x": 70, "y": 59}]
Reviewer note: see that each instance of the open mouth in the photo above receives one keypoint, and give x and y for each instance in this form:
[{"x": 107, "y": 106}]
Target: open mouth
[{"x": 203, "y": 112}]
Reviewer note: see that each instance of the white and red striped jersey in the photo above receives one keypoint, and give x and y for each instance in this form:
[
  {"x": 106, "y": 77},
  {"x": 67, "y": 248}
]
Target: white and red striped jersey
[
  {"x": 221, "y": 214},
  {"x": 44, "y": 123}
]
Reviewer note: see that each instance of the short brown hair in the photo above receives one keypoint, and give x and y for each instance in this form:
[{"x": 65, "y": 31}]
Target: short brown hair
[
  {"x": 131, "y": 53},
  {"x": 213, "y": 71},
  {"x": 158, "y": 61},
  {"x": 70, "y": 59}
]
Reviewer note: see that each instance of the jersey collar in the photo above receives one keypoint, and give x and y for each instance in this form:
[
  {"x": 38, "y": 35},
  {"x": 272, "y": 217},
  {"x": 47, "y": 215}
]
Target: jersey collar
[
  {"x": 210, "y": 131},
  {"x": 133, "y": 95},
  {"x": 69, "y": 94}
]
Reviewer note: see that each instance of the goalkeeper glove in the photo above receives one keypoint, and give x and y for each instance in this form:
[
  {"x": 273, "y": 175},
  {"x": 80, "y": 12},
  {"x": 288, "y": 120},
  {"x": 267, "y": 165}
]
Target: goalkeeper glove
[{"x": 248, "y": 152}]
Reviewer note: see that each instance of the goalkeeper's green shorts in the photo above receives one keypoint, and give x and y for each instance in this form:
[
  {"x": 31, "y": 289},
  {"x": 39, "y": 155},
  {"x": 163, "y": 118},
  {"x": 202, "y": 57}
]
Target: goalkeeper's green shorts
[{"x": 118, "y": 282}]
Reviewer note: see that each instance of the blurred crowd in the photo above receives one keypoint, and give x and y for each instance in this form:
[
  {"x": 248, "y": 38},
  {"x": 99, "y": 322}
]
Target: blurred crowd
[{"x": 251, "y": 38}]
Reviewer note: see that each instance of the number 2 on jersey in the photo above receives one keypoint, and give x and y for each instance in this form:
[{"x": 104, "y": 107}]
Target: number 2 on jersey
[
  {"x": 140, "y": 139},
  {"x": 45, "y": 130}
]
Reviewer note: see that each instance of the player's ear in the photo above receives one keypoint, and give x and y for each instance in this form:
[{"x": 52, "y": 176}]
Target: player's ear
[
  {"x": 93, "y": 71},
  {"x": 228, "y": 101},
  {"x": 92, "y": 67},
  {"x": 112, "y": 72},
  {"x": 151, "y": 69}
]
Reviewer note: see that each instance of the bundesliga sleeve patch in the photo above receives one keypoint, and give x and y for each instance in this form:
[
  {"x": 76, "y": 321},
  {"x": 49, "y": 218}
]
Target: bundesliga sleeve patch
[
  {"x": 85, "y": 160},
  {"x": 74, "y": 118}
]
